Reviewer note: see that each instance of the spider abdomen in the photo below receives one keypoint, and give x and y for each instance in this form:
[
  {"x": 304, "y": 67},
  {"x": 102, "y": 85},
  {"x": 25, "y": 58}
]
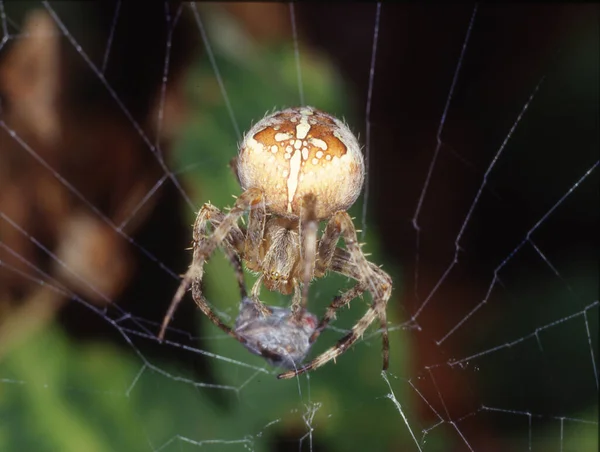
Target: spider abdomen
[{"x": 300, "y": 151}]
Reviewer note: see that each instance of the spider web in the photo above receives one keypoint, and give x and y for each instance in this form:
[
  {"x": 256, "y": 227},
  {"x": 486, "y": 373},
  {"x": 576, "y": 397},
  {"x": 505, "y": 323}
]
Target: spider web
[{"x": 480, "y": 201}]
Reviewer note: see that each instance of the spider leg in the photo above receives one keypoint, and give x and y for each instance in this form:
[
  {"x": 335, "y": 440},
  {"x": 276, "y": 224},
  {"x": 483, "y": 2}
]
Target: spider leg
[
  {"x": 308, "y": 230},
  {"x": 248, "y": 200},
  {"x": 214, "y": 318},
  {"x": 256, "y": 229},
  {"x": 327, "y": 247},
  {"x": 208, "y": 214},
  {"x": 232, "y": 246},
  {"x": 297, "y": 298},
  {"x": 343, "y": 263},
  {"x": 340, "y": 225},
  {"x": 338, "y": 302},
  {"x": 253, "y": 246},
  {"x": 255, "y": 297},
  {"x": 340, "y": 347},
  {"x": 252, "y": 199},
  {"x": 351, "y": 262}
]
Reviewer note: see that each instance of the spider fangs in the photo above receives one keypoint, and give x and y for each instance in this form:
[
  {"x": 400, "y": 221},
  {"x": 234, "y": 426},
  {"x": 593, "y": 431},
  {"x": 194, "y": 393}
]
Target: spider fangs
[{"x": 297, "y": 167}]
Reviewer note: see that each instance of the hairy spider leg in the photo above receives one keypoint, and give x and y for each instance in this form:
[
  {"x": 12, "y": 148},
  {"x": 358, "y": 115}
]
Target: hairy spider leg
[
  {"x": 252, "y": 199},
  {"x": 309, "y": 227},
  {"x": 351, "y": 262},
  {"x": 214, "y": 318},
  {"x": 342, "y": 263},
  {"x": 338, "y": 302},
  {"x": 256, "y": 226},
  {"x": 226, "y": 231},
  {"x": 255, "y": 232},
  {"x": 232, "y": 243},
  {"x": 340, "y": 347},
  {"x": 208, "y": 214}
]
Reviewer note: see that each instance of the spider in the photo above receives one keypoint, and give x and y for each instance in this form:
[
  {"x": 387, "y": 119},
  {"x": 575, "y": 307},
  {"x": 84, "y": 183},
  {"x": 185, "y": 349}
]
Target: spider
[{"x": 297, "y": 167}]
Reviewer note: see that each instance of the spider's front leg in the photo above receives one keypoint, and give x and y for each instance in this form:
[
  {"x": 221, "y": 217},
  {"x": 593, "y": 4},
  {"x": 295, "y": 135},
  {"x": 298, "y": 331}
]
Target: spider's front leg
[
  {"x": 226, "y": 232},
  {"x": 308, "y": 242},
  {"x": 352, "y": 262},
  {"x": 253, "y": 246}
]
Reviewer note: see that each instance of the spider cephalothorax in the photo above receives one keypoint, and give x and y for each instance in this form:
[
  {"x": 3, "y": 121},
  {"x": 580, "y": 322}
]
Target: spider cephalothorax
[{"x": 297, "y": 167}]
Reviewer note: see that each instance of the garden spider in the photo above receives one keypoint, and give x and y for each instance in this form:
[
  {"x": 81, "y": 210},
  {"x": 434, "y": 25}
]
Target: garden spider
[{"x": 297, "y": 167}]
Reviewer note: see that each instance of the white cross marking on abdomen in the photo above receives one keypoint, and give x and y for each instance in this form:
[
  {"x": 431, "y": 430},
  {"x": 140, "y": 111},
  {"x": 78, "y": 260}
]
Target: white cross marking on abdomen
[{"x": 302, "y": 130}]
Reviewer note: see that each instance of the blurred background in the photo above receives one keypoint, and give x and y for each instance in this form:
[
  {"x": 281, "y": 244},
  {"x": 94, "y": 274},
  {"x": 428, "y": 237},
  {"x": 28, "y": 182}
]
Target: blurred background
[{"x": 118, "y": 120}]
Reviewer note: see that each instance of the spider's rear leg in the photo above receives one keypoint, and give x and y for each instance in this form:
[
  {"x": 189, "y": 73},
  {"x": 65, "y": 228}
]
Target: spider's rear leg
[
  {"x": 344, "y": 263},
  {"x": 340, "y": 347},
  {"x": 233, "y": 242},
  {"x": 353, "y": 263},
  {"x": 338, "y": 302},
  {"x": 356, "y": 265}
]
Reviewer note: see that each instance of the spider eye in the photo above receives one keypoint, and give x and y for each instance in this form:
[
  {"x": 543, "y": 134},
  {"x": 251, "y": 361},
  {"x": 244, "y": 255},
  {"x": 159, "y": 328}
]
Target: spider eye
[
  {"x": 298, "y": 151},
  {"x": 274, "y": 276}
]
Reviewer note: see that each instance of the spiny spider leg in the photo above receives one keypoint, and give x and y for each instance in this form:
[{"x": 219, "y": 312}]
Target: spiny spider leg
[
  {"x": 352, "y": 262},
  {"x": 342, "y": 262},
  {"x": 256, "y": 229},
  {"x": 183, "y": 286},
  {"x": 250, "y": 199},
  {"x": 255, "y": 297},
  {"x": 358, "y": 267},
  {"x": 340, "y": 347},
  {"x": 208, "y": 214},
  {"x": 214, "y": 318},
  {"x": 340, "y": 225},
  {"x": 253, "y": 244},
  {"x": 338, "y": 302},
  {"x": 225, "y": 231},
  {"x": 232, "y": 244},
  {"x": 308, "y": 231}
]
